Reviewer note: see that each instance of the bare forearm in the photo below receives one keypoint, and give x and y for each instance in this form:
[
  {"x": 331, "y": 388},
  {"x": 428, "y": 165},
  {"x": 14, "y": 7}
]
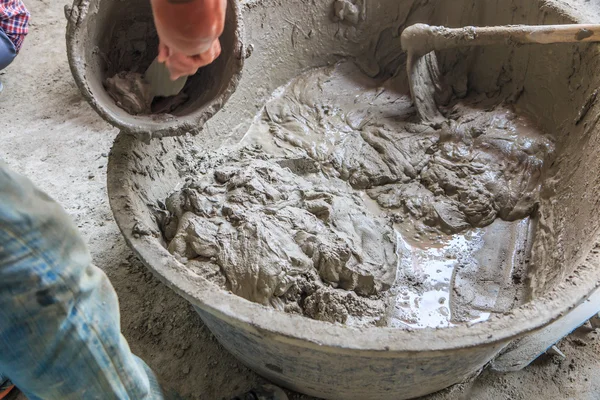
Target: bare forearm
[{"x": 189, "y": 26}]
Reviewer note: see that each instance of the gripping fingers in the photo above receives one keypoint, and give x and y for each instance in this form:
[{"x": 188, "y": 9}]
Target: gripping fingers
[{"x": 182, "y": 65}]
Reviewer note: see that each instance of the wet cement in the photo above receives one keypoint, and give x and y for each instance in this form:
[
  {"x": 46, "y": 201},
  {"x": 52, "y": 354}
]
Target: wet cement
[
  {"x": 131, "y": 92},
  {"x": 341, "y": 206},
  {"x": 133, "y": 47},
  {"x": 255, "y": 224}
]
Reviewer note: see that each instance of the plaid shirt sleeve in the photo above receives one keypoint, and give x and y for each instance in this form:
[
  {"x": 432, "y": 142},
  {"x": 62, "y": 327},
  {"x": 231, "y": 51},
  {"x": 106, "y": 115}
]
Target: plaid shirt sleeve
[{"x": 14, "y": 21}]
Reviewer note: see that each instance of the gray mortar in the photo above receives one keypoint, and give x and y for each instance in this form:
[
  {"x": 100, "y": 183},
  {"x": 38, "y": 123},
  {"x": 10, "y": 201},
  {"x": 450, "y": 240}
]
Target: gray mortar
[
  {"x": 130, "y": 92},
  {"x": 106, "y": 37},
  {"x": 283, "y": 236},
  {"x": 556, "y": 84},
  {"x": 276, "y": 237}
]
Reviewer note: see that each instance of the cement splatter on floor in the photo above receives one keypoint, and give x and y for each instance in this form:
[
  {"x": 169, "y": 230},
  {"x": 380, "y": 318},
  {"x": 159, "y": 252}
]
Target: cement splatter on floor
[{"x": 51, "y": 134}]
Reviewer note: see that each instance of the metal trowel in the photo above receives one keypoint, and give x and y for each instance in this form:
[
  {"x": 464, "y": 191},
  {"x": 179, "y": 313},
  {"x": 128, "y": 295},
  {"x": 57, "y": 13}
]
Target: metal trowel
[{"x": 159, "y": 78}]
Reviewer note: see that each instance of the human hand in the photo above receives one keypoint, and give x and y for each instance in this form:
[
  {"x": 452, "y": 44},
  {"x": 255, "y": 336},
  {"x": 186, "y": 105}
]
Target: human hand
[
  {"x": 189, "y": 33},
  {"x": 181, "y": 65}
]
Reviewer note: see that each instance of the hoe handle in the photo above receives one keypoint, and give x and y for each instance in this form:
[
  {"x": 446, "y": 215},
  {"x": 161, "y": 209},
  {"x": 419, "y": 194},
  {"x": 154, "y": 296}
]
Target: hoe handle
[{"x": 422, "y": 39}]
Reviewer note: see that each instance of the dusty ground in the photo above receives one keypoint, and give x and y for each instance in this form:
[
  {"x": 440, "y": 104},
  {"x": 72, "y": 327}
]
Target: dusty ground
[{"x": 50, "y": 134}]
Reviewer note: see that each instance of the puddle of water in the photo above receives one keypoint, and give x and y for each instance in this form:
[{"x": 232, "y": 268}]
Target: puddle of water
[
  {"x": 425, "y": 278},
  {"x": 443, "y": 281},
  {"x": 460, "y": 279}
]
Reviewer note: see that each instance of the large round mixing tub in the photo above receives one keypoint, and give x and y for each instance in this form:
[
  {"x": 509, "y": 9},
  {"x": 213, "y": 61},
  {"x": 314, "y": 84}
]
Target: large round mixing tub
[{"x": 284, "y": 38}]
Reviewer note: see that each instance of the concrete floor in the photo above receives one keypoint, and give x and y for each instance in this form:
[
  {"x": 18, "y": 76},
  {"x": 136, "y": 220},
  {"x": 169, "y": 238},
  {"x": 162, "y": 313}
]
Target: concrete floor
[{"x": 51, "y": 135}]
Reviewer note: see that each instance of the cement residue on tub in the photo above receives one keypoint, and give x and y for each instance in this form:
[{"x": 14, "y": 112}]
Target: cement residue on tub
[{"x": 340, "y": 206}]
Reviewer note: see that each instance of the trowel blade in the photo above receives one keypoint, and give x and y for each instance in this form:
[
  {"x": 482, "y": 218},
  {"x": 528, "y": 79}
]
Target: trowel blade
[{"x": 159, "y": 78}]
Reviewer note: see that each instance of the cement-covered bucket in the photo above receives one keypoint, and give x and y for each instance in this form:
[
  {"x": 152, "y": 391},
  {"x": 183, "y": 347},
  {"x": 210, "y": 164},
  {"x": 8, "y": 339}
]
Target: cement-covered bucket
[
  {"x": 335, "y": 361},
  {"x": 105, "y": 37}
]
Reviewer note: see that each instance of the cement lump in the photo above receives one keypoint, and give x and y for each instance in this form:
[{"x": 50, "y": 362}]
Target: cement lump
[
  {"x": 282, "y": 239},
  {"x": 131, "y": 92}
]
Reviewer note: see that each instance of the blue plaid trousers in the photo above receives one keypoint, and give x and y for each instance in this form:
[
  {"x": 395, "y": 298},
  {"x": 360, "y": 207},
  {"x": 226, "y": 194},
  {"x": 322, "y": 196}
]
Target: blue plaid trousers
[{"x": 60, "y": 335}]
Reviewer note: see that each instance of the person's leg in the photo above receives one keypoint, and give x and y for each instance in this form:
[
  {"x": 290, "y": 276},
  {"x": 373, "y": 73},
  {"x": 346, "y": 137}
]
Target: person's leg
[
  {"x": 60, "y": 333},
  {"x": 7, "y": 50}
]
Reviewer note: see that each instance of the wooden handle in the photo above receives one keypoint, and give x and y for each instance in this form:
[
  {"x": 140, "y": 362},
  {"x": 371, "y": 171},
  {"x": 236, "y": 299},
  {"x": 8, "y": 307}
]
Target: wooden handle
[{"x": 422, "y": 38}]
